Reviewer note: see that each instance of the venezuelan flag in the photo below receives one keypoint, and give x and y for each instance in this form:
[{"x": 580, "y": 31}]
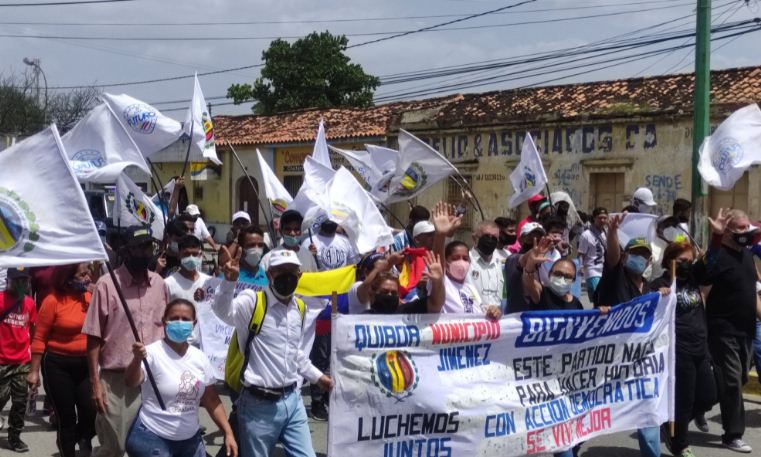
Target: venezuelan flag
[
  {"x": 412, "y": 270},
  {"x": 321, "y": 285}
]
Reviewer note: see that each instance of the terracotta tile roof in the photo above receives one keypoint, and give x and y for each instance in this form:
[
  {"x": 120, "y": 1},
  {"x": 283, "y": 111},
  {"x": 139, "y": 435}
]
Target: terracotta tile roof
[
  {"x": 301, "y": 126},
  {"x": 670, "y": 94}
]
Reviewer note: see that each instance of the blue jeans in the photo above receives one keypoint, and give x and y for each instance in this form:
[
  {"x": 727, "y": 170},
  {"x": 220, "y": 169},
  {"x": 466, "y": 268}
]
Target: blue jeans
[
  {"x": 142, "y": 442},
  {"x": 649, "y": 441},
  {"x": 264, "y": 423},
  {"x": 757, "y": 348},
  {"x": 592, "y": 284}
]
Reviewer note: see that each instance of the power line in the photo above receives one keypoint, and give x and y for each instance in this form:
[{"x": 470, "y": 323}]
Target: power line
[
  {"x": 82, "y": 2},
  {"x": 314, "y": 21}
]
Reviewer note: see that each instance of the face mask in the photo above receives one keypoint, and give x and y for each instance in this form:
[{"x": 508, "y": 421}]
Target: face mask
[
  {"x": 285, "y": 284},
  {"x": 137, "y": 264},
  {"x": 683, "y": 219},
  {"x": 683, "y": 270},
  {"x": 458, "y": 269},
  {"x": 253, "y": 256},
  {"x": 487, "y": 244},
  {"x": 507, "y": 240},
  {"x": 178, "y": 331},
  {"x": 20, "y": 288},
  {"x": 291, "y": 241},
  {"x": 328, "y": 227},
  {"x": 191, "y": 263},
  {"x": 386, "y": 303},
  {"x": 174, "y": 246},
  {"x": 79, "y": 286},
  {"x": 635, "y": 264},
  {"x": 743, "y": 239},
  {"x": 560, "y": 286}
]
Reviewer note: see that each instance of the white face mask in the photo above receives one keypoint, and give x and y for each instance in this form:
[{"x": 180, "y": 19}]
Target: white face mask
[
  {"x": 560, "y": 286},
  {"x": 253, "y": 256},
  {"x": 191, "y": 263}
]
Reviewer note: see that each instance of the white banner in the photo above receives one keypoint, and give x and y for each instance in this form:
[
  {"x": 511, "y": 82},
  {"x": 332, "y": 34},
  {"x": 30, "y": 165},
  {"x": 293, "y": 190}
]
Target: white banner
[
  {"x": 462, "y": 385},
  {"x": 44, "y": 218}
]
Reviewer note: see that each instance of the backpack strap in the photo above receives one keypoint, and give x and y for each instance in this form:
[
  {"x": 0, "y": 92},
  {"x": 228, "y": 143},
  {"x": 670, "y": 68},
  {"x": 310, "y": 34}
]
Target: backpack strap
[
  {"x": 254, "y": 327},
  {"x": 302, "y": 309}
]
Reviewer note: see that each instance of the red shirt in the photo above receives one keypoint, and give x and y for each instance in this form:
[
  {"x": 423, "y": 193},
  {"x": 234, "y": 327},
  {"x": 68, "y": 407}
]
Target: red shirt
[{"x": 14, "y": 330}]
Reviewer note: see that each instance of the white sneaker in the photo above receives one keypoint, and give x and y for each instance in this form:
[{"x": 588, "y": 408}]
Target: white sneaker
[{"x": 738, "y": 445}]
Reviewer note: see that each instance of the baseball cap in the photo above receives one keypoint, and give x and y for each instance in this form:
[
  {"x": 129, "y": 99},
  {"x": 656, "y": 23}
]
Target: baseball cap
[
  {"x": 284, "y": 257},
  {"x": 636, "y": 243},
  {"x": 291, "y": 215},
  {"x": 529, "y": 227},
  {"x": 193, "y": 210},
  {"x": 137, "y": 235},
  {"x": 242, "y": 215},
  {"x": 644, "y": 195},
  {"x": 20, "y": 272},
  {"x": 421, "y": 228}
]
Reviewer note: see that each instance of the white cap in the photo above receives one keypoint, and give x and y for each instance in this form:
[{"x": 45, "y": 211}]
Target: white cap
[
  {"x": 644, "y": 195},
  {"x": 242, "y": 215},
  {"x": 529, "y": 227},
  {"x": 421, "y": 228},
  {"x": 284, "y": 257},
  {"x": 193, "y": 210}
]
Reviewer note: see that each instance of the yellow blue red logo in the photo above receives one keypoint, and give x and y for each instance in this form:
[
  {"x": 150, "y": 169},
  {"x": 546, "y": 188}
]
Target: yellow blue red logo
[
  {"x": 19, "y": 229},
  {"x": 394, "y": 373}
]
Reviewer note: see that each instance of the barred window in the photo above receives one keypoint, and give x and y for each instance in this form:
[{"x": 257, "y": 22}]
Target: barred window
[
  {"x": 293, "y": 183},
  {"x": 455, "y": 197}
]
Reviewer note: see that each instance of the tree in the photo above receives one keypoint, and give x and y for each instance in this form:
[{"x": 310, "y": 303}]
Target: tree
[
  {"x": 313, "y": 72},
  {"x": 21, "y": 113}
]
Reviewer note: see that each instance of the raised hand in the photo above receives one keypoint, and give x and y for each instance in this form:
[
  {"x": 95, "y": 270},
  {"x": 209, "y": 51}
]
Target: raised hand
[
  {"x": 435, "y": 269},
  {"x": 444, "y": 218},
  {"x": 614, "y": 222},
  {"x": 719, "y": 225},
  {"x": 231, "y": 268},
  {"x": 538, "y": 254}
]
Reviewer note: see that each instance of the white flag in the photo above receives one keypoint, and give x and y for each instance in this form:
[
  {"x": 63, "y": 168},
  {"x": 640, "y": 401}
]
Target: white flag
[
  {"x": 99, "y": 148},
  {"x": 374, "y": 165},
  {"x": 133, "y": 207},
  {"x": 732, "y": 149},
  {"x": 279, "y": 197},
  {"x": 150, "y": 130},
  {"x": 528, "y": 178},
  {"x": 310, "y": 200},
  {"x": 199, "y": 121},
  {"x": 44, "y": 219},
  {"x": 349, "y": 205},
  {"x": 420, "y": 166},
  {"x": 636, "y": 225},
  {"x": 320, "y": 152}
]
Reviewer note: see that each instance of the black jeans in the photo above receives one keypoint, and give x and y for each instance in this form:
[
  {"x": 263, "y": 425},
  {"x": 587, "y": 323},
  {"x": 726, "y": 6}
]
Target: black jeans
[
  {"x": 695, "y": 393},
  {"x": 320, "y": 357},
  {"x": 68, "y": 386},
  {"x": 731, "y": 356}
]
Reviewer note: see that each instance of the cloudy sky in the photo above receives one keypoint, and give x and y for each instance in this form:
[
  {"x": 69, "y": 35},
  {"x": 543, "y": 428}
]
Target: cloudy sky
[{"x": 147, "y": 39}]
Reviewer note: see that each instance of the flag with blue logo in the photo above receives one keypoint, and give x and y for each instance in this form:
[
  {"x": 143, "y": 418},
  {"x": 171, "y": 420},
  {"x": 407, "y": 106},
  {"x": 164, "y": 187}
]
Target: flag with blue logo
[
  {"x": 528, "y": 178},
  {"x": 149, "y": 129},
  {"x": 732, "y": 149}
]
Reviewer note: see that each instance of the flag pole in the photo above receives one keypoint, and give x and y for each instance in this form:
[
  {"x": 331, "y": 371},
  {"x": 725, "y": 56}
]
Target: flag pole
[
  {"x": 391, "y": 213},
  {"x": 468, "y": 192},
  {"x": 311, "y": 242},
  {"x": 131, "y": 321},
  {"x": 549, "y": 198},
  {"x": 270, "y": 227},
  {"x": 190, "y": 142}
]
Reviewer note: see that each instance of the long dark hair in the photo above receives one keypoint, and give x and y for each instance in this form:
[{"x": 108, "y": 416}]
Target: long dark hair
[{"x": 61, "y": 277}]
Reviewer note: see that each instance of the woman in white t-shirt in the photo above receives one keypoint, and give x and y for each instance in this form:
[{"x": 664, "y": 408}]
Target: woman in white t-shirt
[
  {"x": 448, "y": 292},
  {"x": 185, "y": 380}
]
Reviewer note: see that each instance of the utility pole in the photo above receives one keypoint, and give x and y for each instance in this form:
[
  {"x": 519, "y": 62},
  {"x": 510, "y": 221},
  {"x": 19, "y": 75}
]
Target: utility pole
[{"x": 702, "y": 115}]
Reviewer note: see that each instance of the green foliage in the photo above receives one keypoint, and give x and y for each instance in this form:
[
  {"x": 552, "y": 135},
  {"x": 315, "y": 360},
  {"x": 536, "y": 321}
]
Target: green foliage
[{"x": 313, "y": 72}]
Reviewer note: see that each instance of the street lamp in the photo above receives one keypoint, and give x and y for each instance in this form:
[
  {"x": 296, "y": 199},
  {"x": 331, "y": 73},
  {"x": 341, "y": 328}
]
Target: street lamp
[{"x": 35, "y": 63}]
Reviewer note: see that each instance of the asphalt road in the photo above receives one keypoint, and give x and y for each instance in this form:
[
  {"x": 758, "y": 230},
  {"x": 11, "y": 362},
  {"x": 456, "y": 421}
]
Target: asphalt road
[{"x": 41, "y": 437}]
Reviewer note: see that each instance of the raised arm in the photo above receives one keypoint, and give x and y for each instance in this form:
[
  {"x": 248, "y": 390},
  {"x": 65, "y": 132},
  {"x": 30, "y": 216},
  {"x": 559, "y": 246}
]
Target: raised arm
[
  {"x": 179, "y": 184},
  {"x": 363, "y": 291},
  {"x": 436, "y": 278},
  {"x": 613, "y": 251},
  {"x": 446, "y": 222},
  {"x": 532, "y": 287}
]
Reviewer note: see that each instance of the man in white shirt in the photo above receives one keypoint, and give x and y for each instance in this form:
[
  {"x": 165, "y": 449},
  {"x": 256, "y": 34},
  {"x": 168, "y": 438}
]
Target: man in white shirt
[
  {"x": 592, "y": 243},
  {"x": 333, "y": 250},
  {"x": 290, "y": 232},
  {"x": 187, "y": 282},
  {"x": 270, "y": 408},
  {"x": 485, "y": 271},
  {"x": 200, "y": 230}
]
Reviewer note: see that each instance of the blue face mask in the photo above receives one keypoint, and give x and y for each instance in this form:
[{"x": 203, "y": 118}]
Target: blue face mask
[
  {"x": 291, "y": 241},
  {"x": 636, "y": 264},
  {"x": 178, "y": 331}
]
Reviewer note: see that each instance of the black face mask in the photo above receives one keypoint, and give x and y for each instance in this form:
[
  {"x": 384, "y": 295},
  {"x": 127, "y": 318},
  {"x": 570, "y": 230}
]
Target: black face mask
[
  {"x": 683, "y": 271},
  {"x": 137, "y": 264},
  {"x": 328, "y": 227},
  {"x": 743, "y": 239},
  {"x": 487, "y": 244},
  {"x": 507, "y": 240},
  {"x": 683, "y": 219},
  {"x": 385, "y": 303},
  {"x": 285, "y": 284}
]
